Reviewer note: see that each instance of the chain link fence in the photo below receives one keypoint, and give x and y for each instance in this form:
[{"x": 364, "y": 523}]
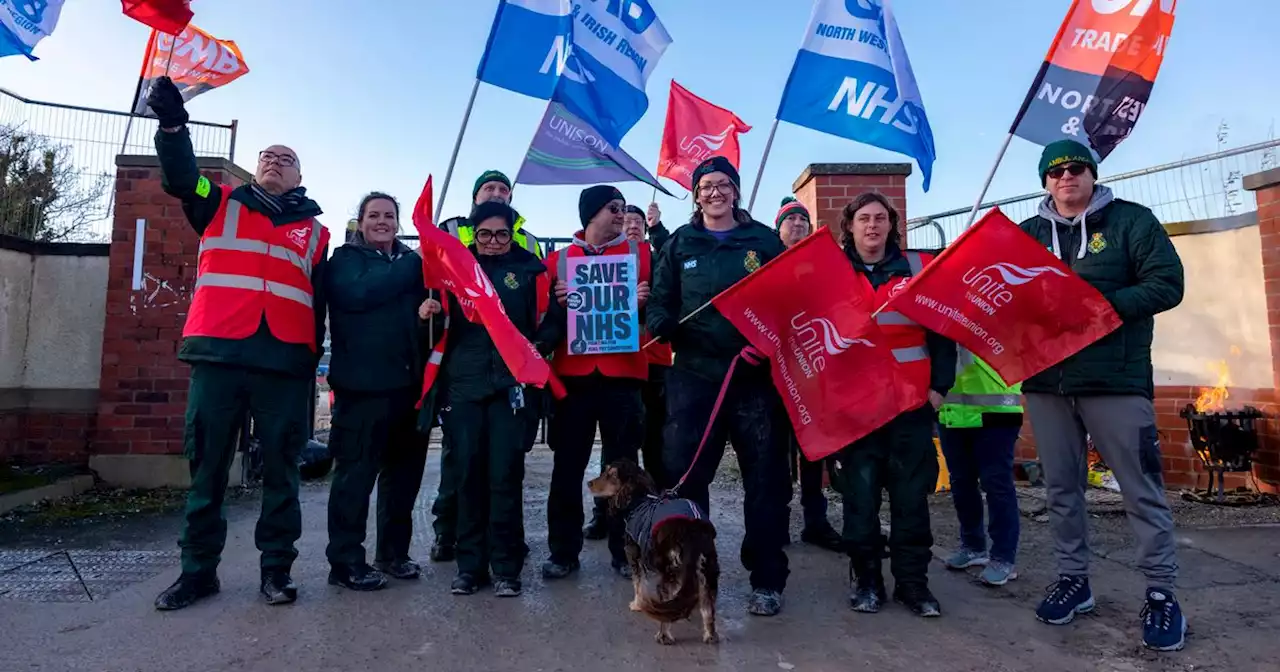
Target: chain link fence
[
  {"x": 57, "y": 165},
  {"x": 1205, "y": 187}
]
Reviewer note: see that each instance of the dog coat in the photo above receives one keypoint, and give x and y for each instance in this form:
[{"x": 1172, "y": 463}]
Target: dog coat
[{"x": 653, "y": 512}]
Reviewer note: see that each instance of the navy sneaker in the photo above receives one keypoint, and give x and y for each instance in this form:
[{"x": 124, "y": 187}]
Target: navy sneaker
[
  {"x": 1163, "y": 627},
  {"x": 1064, "y": 599}
]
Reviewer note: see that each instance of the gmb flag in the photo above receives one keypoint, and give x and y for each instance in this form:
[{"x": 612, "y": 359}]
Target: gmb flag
[
  {"x": 1098, "y": 75},
  {"x": 595, "y": 57},
  {"x": 1001, "y": 295},
  {"x": 24, "y": 23},
  {"x": 836, "y": 383},
  {"x": 195, "y": 60},
  {"x": 852, "y": 78}
]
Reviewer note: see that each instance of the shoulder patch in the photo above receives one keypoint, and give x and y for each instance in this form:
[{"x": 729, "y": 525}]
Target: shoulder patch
[{"x": 204, "y": 187}]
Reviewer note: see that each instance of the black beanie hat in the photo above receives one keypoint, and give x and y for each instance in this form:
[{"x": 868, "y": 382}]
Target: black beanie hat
[
  {"x": 717, "y": 164},
  {"x": 593, "y": 199},
  {"x": 635, "y": 210},
  {"x": 491, "y": 209}
]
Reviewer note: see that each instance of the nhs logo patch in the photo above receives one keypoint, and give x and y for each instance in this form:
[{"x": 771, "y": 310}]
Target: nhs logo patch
[{"x": 691, "y": 264}]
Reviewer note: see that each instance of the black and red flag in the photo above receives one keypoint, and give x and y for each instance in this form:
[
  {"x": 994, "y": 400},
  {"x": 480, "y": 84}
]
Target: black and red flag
[{"x": 1097, "y": 77}]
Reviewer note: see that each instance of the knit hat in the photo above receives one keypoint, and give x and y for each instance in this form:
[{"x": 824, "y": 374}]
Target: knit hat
[
  {"x": 491, "y": 209},
  {"x": 717, "y": 164},
  {"x": 593, "y": 199},
  {"x": 790, "y": 206},
  {"x": 635, "y": 210},
  {"x": 1065, "y": 151},
  {"x": 489, "y": 176}
]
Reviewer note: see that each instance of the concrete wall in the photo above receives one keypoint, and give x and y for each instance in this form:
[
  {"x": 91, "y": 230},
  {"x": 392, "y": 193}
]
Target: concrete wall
[
  {"x": 68, "y": 310},
  {"x": 1224, "y": 312},
  {"x": 15, "y": 310}
]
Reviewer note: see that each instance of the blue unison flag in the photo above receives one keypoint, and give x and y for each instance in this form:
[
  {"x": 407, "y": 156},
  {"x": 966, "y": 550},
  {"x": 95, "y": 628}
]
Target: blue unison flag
[
  {"x": 23, "y": 23},
  {"x": 594, "y": 57},
  {"x": 852, "y": 78}
]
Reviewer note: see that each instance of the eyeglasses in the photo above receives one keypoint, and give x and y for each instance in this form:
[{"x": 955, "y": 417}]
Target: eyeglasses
[
  {"x": 614, "y": 208},
  {"x": 502, "y": 236},
  {"x": 1076, "y": 170},
  {"x": 725, "y": 188},
  {"x": 286, "y": 160}
]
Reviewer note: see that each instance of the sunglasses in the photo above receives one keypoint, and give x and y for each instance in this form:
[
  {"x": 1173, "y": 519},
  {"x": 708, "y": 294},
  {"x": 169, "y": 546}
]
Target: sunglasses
[
  {"x": 487, "y": 236},
  {"x": 1076, "y": 170}
]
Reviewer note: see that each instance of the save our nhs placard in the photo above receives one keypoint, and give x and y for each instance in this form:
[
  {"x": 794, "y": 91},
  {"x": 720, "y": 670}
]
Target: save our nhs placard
[
  {"x": 595, "y": 56},
  {"x": 602, "y": 305},
  {"x": 852, "y": 78}
]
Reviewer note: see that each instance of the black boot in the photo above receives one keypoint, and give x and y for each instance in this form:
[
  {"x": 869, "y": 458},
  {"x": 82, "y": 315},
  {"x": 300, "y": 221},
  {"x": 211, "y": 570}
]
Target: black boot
[
  {"x": 278, "y": 587},
  {"x": 823, "y": 535},
  {"x": 442, "y": 551},
  {"x": 186, "y": 591},
  {"x": 359, "y": 576},
  {"x": 918, "y": 599},
  {"x": 468, "y": 584},
  {"x": 598, "y": 528},
  {"x": 866, "y": 589},
  {"x": 401, "y": 569}
]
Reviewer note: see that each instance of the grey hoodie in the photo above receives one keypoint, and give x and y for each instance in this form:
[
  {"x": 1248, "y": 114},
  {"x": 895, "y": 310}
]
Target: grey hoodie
[{"x": 1102, "y": 196}]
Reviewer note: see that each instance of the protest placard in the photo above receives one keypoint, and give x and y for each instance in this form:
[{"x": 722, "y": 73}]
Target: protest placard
[{"x": 602, "y": 305}]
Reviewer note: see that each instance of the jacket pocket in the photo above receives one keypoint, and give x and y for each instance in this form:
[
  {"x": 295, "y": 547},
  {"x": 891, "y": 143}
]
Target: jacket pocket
[
  {"x": 1149, "y": 451},
  {"x": 347, "y": 441}
]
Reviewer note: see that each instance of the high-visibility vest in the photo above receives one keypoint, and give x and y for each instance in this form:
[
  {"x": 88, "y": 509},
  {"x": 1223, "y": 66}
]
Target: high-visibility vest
[
  {"x": 467, "y": 234},
  {"x": 619, "y": 365},
  {"x": 978, "y": 389},
  {"x": 249, "y": 269},
  {"x": 901, "y": 335}
]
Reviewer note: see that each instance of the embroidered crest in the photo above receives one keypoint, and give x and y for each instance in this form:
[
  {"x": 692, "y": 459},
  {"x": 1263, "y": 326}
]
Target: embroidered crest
[
  {"x": 1097, "y": 243},
  {"x": 752, "y": 262},
  {"x": 299, "y": 237},
  {"x": 510, "y": 281}
]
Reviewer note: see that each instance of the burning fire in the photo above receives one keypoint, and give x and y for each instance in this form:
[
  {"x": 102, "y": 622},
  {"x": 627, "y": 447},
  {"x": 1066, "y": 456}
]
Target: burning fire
[{"x": 1213, "y": 399}]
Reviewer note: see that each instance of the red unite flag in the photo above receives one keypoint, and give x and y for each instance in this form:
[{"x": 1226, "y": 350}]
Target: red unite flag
[
  {"x": 696, "y": 131},
  {"x": 166, "y": 16},
  {"x": 1007, "y": 299},
  {"x": 836, "y": 383},
  {"x": 448, "y": 265}
]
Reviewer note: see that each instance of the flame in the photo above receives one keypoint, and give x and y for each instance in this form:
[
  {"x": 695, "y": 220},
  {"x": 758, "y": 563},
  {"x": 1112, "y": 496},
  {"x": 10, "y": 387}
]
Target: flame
[{"x": 1213, "y": 399}]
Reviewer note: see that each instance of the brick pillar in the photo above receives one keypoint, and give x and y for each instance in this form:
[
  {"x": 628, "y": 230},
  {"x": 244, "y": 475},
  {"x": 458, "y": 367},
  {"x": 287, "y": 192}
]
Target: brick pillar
[
  {"x": 1266, "y": 186},
  {"x": 825, "y": 188},
  {"x": 143, "y": 390}
]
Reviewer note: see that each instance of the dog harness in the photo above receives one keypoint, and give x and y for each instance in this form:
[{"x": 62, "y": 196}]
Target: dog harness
[{"x": 646, "y": 518}]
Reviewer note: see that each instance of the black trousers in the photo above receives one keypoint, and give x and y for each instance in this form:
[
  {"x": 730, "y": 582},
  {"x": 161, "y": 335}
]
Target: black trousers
[
  {"x": 752, "y": 418},
  {"x": 654, "y": 396},
  {"x": 614, "y": 405},
  {"x": 900, "y": 458},
  {"x": 812, "y": 500},
  {"x": 374, "y": 439},
  {"x": 487, "y": 440}
]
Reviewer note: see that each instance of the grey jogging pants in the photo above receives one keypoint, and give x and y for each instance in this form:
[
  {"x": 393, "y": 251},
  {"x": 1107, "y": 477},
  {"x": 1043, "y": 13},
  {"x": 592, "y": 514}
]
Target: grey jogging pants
[{"x": 1123, "y": 429}]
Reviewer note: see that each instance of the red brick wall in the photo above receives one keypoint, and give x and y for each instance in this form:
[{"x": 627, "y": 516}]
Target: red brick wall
[
  {"x": 143, "y": 390},
  {"x": 825, "y": 188},
  {"x": 38, "y": 437}
]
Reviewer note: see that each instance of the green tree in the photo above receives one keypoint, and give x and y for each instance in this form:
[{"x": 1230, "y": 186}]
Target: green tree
[{"x": 43, "y": 196}]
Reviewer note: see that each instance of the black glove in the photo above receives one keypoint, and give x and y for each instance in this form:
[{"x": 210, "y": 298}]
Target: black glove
[{"x": 166, "y": 101}]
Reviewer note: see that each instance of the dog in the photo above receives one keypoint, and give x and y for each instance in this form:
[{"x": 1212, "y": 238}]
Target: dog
[{"x": 670, "y": 546}]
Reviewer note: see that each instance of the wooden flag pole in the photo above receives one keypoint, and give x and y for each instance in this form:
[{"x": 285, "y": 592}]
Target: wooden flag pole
[{"x": 457, "y": 145}]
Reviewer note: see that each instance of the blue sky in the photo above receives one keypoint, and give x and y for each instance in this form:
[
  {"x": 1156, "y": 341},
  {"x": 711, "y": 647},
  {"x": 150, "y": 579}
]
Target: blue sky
[{"x": 373, "y": 99}]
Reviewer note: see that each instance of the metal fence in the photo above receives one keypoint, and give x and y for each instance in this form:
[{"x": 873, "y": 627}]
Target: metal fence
[
  {"x": 57, "y": 164},
  {"x": 1206, "y": 187}
]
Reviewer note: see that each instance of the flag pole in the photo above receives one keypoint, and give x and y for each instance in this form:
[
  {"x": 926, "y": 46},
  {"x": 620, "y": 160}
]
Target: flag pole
[
  {"x": 457, "y": 145},
  {"x": 768, "y": 145},
  {"x": 973, "y": 214}
]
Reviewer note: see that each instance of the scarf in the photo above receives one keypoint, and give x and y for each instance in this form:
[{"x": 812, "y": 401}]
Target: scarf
[{"x": 289, "y": 200}]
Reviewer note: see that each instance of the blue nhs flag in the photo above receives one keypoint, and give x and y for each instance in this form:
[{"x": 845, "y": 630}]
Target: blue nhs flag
[
  {"x": 594, "y": 56},
  {"x": 852, "y": 79}
]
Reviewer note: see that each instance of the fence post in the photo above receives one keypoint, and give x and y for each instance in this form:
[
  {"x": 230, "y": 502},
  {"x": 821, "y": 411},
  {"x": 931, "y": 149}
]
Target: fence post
[{"x": 235, "y": 126}]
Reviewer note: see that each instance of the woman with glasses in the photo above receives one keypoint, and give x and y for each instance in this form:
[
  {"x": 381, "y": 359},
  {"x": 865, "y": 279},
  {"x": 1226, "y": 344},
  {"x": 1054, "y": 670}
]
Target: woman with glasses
[
  {"x": 721, "y": 245},
  {"x": 485, "y": 415}
]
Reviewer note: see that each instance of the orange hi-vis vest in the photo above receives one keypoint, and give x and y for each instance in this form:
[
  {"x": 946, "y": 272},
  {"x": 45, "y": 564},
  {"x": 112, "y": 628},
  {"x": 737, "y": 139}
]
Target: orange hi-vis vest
[
  {"x": 618, "y": 365},
  {"x": 249, "y": 269},
  {"x": 903, "y": 336}
]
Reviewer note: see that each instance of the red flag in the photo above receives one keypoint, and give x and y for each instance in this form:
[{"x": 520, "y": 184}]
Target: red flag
[
  {"x": 195, "y": 60},
  {"x": 696, "y": 130},
  {"x": 166, "y": 16},
  {"x": 1011, "y": 302},
  {"x": 836, "y": 383},
  {"x": 447, "y": 265}
]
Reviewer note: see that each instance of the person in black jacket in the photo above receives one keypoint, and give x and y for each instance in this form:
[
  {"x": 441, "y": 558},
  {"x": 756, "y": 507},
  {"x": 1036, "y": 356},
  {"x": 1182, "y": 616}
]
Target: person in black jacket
[
  {"x": 375, "y": 287},
  {"x": 900, "y": 456},
  {"x": 484, "y": 419},
  {"x": 720, "y": 246}
]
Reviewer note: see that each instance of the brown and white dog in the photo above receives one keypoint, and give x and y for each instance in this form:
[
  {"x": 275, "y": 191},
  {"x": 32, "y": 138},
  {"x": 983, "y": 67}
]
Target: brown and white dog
[{"x": 671, "y": 547}]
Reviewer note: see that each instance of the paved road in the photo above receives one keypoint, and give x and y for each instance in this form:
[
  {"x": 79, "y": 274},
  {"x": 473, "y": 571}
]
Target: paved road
[{"x": 583, "y": 623}]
